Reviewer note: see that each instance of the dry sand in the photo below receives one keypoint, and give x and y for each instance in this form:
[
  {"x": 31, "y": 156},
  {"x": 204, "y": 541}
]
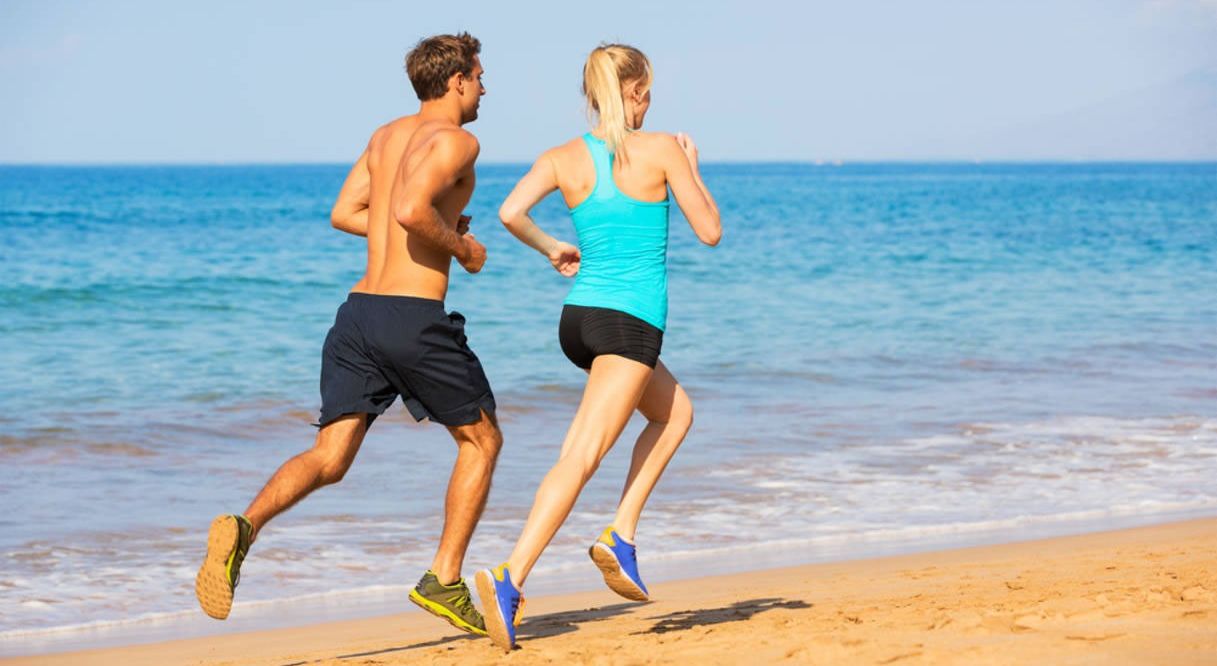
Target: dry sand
[{"x": 1144, "y": 596}]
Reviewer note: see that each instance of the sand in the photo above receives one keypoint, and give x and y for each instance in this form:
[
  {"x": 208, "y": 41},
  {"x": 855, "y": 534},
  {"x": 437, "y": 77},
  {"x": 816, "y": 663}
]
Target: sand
[{"x": 1139, "y": 596}]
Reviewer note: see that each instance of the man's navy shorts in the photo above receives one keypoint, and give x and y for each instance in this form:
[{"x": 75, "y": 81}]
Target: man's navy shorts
[{"x": 381, "y": 347}]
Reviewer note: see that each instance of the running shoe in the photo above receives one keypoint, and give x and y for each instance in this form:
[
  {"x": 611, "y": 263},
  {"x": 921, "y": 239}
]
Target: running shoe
[
  {"x": 450, "y": 602},
  {"x": 618, "y": 561},
  {"x": 502, "y": 604},
  {"x": 227, "y": 543}
]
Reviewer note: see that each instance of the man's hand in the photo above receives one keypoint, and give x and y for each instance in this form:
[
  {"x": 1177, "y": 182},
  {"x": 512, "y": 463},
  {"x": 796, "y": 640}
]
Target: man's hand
[
  {"x": 565, "y": 258},
  {"x": 462, "y": 224},
  {"x": 475, "y": 254}
]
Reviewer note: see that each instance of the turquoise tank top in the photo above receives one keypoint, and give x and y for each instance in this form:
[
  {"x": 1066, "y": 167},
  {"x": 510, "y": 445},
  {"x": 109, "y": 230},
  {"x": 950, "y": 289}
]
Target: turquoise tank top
[{"x": 623, "y": 243}]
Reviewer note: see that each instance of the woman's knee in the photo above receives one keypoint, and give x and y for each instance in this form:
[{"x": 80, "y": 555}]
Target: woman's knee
[
  {"x": 680, "y": 415},
  {"x": 583, "y": 462}
]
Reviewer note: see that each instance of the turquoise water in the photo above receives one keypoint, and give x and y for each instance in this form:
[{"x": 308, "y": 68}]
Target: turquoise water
[{"x": 878, "y": 355}]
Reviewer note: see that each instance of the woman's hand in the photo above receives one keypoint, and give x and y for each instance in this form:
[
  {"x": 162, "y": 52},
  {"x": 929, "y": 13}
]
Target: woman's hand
[
  {"x": 565, "y": 258},
  {"x": 690, "y": 148}
]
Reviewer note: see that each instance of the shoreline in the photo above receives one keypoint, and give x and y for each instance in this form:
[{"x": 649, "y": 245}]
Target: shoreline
[
  {"x": 563, "y": 578},
  {"x": 1104, "y": 595}
]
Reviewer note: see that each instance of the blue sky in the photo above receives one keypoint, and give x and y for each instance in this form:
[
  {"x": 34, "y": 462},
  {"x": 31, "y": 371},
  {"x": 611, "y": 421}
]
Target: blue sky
[{"x": 757, "y": 80}]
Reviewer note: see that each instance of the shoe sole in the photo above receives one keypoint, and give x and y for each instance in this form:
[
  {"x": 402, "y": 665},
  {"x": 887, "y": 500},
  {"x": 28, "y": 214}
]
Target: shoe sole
[
  {"x": 211, "y": 586},
  {"x": 496, "y": 625},
  {"x": 442, "y": 612},
  {"x": 614, "y": 577}
]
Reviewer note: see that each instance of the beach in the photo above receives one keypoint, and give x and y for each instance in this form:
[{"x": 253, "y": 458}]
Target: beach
[
  {"x": 946, "y": 326},
  {"x": 1136, "y": 596}
]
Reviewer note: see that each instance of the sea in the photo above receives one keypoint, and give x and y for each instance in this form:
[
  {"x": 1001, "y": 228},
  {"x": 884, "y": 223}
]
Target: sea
[{"x": 883, "y": 358}]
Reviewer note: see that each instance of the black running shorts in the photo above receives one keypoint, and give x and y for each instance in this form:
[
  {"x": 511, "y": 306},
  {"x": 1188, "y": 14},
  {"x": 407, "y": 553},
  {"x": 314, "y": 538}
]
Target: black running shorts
[
  {"x": 586, "y": 333},
  {"x": 381, "y": 347}
]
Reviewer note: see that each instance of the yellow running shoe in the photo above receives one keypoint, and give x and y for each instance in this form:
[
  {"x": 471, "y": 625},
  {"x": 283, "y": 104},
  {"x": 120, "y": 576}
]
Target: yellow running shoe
[
  {"x": 450, "y": 602},
  {"x": 227, "y": 543}
]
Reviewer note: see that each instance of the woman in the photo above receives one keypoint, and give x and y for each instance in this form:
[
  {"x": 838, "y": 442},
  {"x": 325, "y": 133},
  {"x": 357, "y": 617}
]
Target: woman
[{"x": 615, "y": 180}]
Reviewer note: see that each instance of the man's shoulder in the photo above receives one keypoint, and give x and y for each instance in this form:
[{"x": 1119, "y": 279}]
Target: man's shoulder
[
  {"x": 398, "y": 127},
  {"x": 455, "y": 138}
]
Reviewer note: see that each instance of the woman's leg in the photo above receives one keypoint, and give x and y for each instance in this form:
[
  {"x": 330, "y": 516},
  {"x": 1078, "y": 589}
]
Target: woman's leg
[
  {"x": 614, "y": 387},
  {"x": 670, "y": 415}
]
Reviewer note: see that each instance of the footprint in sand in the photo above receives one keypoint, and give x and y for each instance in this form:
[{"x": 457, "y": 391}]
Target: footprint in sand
[
  {"x": 1196, "y": 593},
  {"x": 1093, "y": 637}
]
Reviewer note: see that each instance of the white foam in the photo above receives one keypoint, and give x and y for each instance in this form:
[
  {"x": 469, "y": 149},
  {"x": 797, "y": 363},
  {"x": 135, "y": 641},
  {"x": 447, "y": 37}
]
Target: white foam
[{"x": 967, "y": 484}]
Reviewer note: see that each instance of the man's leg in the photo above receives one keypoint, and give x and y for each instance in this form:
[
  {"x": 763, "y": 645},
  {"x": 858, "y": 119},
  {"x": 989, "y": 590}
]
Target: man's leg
[
  {"x": 441, "y": 591},
  {"x": 230, "y": 536},
  {"x": 324, "y": 464},
  {"x": 479, "y": 445}
]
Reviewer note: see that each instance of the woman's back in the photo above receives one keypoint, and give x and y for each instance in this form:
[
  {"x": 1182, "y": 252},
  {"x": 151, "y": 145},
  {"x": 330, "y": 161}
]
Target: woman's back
[
  {"x": 640, "y": 177},
  {"x": 620, "y": 212}
]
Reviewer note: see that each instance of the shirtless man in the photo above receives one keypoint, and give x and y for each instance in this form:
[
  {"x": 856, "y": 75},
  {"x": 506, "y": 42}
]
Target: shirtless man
[{"x": 392, "y": 337}]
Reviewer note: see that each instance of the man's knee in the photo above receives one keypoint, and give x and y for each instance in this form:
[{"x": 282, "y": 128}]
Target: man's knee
[
  {"x": 335, "y": 448},
  {"x": 333, "y": 470},
  {"x": 484, "y": 435},
  {"x": 489, "y": 441}
]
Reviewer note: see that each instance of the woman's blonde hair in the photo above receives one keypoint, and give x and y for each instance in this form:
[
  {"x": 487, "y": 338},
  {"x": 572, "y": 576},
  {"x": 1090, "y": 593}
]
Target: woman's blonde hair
[{"x": 608, "y": 69}]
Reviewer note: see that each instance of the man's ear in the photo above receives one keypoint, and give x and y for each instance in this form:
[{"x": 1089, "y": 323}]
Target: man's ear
[{"x": 457, "y": 82}]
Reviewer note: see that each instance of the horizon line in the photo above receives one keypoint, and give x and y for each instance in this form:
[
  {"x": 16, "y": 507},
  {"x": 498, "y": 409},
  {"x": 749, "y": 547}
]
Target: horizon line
[{"x": 819, "y": 162}]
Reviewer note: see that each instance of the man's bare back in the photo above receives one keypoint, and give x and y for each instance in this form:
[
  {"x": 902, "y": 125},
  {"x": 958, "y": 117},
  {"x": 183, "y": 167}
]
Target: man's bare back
[
  {"x": 419, "y": 178},
  {"x": 406, "y": 193}
]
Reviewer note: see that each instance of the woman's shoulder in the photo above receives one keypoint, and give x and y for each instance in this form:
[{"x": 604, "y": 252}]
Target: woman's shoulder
[
  {"x": 656, "y": 139},
  {"x": 655, "y": 144},
  {"x": 567, "y": 149}
]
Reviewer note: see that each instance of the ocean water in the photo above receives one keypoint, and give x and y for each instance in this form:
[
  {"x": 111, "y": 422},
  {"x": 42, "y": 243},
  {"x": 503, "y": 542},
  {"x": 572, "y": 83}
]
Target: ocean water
[{"x": 881, "y": 357}]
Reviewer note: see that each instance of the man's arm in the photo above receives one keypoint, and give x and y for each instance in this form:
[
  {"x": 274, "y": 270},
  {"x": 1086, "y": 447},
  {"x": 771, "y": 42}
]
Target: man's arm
[
  {"x": 350, "y": 212},
  {"x": 415, "y": 193}
]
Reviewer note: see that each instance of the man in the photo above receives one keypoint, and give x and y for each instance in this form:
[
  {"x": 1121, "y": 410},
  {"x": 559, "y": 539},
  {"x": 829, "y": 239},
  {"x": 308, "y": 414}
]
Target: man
[{"x": 392, "y": 336}]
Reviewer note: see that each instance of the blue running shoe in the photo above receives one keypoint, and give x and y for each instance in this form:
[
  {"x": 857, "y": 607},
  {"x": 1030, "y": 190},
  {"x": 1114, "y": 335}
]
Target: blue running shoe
[
  {"x": 618, "y": 562},
  {"x": 502, "y": 605}
]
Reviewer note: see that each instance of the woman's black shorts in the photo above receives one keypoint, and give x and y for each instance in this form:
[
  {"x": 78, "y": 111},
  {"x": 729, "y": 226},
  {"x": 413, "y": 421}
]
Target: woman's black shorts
[{"x": 586, "y": 333}]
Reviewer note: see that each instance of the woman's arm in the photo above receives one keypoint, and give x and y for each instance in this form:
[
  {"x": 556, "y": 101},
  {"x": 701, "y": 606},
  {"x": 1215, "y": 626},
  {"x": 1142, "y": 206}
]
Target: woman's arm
[
  {"x": 694, "y": 199},
  {"x": 538, "y": 183}
]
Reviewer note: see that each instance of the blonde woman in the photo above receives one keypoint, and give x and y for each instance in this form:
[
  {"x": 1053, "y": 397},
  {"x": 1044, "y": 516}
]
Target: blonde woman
[{"x": 615, "y": 180}]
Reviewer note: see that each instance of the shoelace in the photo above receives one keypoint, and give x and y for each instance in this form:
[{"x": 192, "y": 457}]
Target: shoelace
[
  {"x": 517, "y": 610},
  {"x": 462, "y": 601}
]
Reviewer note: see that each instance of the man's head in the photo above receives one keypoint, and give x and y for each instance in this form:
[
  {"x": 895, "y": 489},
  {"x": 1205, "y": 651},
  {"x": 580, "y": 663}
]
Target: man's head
[{"x": 446, "y": 65}]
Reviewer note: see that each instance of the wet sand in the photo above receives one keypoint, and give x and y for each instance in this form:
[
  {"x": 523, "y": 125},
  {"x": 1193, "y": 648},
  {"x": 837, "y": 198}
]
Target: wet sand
[{"x": 1144, "y": 595}]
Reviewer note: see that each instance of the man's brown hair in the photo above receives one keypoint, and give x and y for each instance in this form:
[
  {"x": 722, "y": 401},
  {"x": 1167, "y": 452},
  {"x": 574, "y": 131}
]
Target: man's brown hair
[{"x": 435, "y": 59}]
